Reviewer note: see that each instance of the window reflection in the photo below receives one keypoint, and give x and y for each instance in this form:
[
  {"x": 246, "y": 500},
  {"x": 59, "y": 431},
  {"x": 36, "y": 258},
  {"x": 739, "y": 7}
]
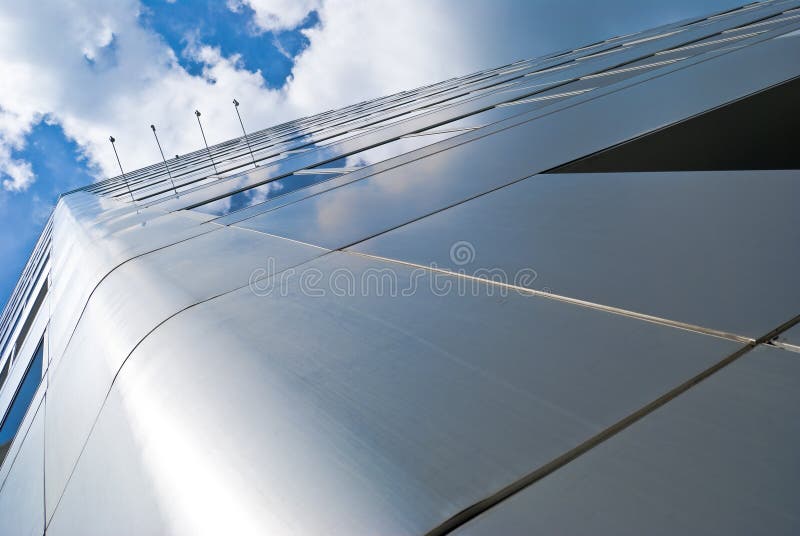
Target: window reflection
[
  {"x": 353, "y": 161},
  {"x": 260, "y": 194},
  {"x": 15, "y": 414}
]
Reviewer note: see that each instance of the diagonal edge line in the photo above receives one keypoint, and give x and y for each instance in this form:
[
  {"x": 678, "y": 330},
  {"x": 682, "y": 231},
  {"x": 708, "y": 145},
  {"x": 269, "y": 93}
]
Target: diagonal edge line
[
  {"x": 483, "y": 505},
  {"x": 574, "y": 301},
  {"x": 307, "y": 244}
]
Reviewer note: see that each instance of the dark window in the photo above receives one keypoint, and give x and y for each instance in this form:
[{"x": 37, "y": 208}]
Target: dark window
[
  {"x": 4, "y": 372},
  {"x": 22, "y": 399},
  {"x": 761, "y": 131},
  {"x": 23, "y": 332}
]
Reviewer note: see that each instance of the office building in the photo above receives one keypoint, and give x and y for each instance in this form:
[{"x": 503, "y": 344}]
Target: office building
[{"x": 554, "y": 297}]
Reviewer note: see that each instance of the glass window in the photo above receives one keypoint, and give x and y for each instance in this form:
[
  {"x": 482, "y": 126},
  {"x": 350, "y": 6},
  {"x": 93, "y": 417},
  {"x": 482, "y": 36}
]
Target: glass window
[
  {"x": 713, "y": 140},
  {"x": 13, "y": 418},
  {"x": 23, "y": 332},
  {"x": 4, "y": 372}
]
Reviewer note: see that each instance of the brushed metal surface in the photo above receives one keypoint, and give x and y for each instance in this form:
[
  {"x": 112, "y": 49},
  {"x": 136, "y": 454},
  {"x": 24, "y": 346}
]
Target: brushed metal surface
[
  {"x": 370, "y": 206},
  {"x": 22, "y": 489},
  {"x": 183, "y": 397},
  {"x": 129, "y": 303},
  {"x": 705, "y": 248},
  {"x": 114, "y": 494},
  {"x": 380, "y": 414},
  {"x": 719, "y": 459},
  {"x": 91, "y": 236},
  {"x": 482, "y": 101}
]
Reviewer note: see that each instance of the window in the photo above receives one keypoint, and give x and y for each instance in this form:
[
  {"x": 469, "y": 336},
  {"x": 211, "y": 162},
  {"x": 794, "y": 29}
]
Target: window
[
  {"x": 4, "y": 371},
  {"x": 22, "y": 399},
  {"x": 23, "y": 332},
  {"x": 756, "y": 132}
]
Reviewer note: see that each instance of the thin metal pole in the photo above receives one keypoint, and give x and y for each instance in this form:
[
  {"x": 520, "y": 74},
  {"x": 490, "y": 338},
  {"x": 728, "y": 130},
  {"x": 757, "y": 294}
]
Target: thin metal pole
[
  {"x": 124, "y": 178},
  {"x": 236, "y": 107},
  {"x": 153, "y": 127},
  {"x": 197, "y": 113}
]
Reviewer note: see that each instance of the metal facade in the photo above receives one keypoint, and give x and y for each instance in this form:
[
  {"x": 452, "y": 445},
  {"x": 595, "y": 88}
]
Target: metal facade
[{"x": 477, "y": 307}]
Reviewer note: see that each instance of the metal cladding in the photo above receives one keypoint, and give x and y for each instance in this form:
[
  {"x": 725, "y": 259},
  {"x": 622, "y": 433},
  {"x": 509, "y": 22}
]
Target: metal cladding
[{"x": 559, "y": 296}]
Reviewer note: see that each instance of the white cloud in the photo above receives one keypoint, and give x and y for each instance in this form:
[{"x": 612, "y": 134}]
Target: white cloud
[
  {"x": 89, "y": 65},
  {"x": 271, "y": 15},
  {"x": 19, "y": 172},
  {"x": 368, "y": 49},
  {"x": 92, "y": 68}
]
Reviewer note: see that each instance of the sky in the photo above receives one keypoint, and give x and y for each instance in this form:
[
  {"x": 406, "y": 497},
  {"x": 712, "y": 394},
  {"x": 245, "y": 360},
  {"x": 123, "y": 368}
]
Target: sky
[{"x": 74, "y": 72}]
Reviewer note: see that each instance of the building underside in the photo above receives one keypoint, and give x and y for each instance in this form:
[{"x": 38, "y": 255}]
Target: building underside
[{"x": 554, "y": 297}]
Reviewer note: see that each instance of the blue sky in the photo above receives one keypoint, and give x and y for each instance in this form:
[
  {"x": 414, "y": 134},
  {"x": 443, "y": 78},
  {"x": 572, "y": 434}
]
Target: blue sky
[
  {"x": 77, "y": 72},
  {"x": 213, "y": 23}
]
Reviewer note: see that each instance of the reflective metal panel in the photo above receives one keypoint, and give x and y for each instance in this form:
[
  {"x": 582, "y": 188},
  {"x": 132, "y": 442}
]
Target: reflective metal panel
[
  {"x": 213, "y": 380},
  {"x": 261, "y": 194},
  {"x": 88, "y": 244},
  {"x": 494, "y": 117},
  {"x": 381, "y": 413},
  {"x": 21, "y": 494},
  {"x": 719, "y": 459},
  {"x": 112, "y": 493},
  {"x": 368, "y": 206},
  {"x": 482, "y": 100},
  {"x": 693, "y": 247},
  {"x": 374, "y": 205},
  {"x": 129, "y": 303},
  {"x": 31, "y": 412},
  {"x": 289, "y": 198}
]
